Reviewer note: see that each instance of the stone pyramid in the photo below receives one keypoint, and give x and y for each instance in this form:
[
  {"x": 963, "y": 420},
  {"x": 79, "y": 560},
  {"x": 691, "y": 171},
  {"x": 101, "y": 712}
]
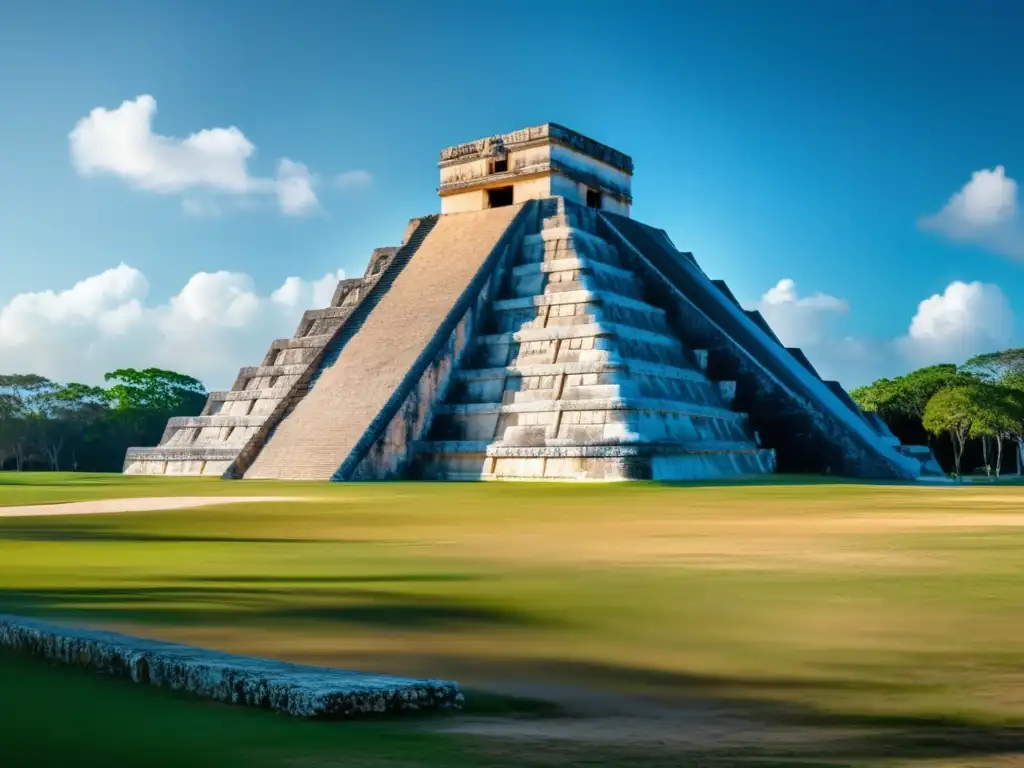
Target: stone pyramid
[{"x": 533, "y": 330}]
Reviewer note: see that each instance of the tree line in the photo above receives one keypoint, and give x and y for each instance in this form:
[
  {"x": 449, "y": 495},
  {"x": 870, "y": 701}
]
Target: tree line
[
  {"x": 47, "y": 425},
  {"x": 968, "y": 414}
]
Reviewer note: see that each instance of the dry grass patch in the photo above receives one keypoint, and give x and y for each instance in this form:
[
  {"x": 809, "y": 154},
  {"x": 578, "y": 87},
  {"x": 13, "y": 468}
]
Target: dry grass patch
[{"x": 779, "y": 607}]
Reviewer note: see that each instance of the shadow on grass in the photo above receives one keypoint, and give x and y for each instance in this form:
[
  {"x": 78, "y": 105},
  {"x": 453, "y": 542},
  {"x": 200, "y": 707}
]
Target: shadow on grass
[
  {"x": 718, "y": 705},
  {"x": 256, "y": 607},
  {"x": 872, "y": 736},
  {"x": 44, "y": 532},
  {"x": 397, "y": 578}
]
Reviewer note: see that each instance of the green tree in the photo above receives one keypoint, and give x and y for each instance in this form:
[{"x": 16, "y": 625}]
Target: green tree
[
  {"x": 26, "y": 397},
  {"x": 24, "y": 385},
  {"x": 953, "y": 410},
  {"x": 11, "y": 414},
  {"x": 43, "y": 424},
  {"x": 997, "y": 367},
  {"x": 85, "y": 410},
  {"x": 1006, "y": 409},
  {"x": 142, "y": 401},
  {"x": 993, "y": 417},
  {"x": 154, "y": 389},
  {"x": 878, "y": 397},
  {"x": 908, "y": 395},
  {"x": 1005, "y": 369}
]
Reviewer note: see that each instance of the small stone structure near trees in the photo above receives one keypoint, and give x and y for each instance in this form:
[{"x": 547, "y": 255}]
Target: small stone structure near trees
[{"x": 532, "y": 330}]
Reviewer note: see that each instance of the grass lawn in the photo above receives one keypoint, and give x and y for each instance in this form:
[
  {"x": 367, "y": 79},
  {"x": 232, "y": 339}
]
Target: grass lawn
[{"x": 785, "y": 621}]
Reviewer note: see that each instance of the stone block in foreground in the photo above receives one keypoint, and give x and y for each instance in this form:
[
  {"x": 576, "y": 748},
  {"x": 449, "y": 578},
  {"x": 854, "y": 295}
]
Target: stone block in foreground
[{"x": 316, "y": 692}]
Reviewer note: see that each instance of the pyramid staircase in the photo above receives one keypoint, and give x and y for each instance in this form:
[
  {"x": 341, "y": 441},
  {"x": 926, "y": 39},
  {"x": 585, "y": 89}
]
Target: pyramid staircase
[{"x": 574, "y": 375}]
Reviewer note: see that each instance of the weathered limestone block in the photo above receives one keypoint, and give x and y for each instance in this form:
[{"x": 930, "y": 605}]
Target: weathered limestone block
[{"x": 300, "y": 691}]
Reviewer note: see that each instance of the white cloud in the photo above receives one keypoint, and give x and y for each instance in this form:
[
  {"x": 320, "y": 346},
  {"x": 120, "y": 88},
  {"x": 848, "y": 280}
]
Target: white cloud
[
  {"x": 964, "y": 320},
  {"x": 295, "y": 192},
  {"x": 304, "y": 294},
  {"x": 121, "y": 142},
  {"x": 217, "y": 323},
  {"x": 986, "y": 211},
  {"x": 353, "y": 179},
  {"x": 799, "y": 320}
]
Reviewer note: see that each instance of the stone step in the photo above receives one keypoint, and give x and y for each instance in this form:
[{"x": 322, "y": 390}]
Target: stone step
[
  {"x": 565, "y": 265},
  {"x": 580, "y": 273},
  {"x": 609, "y": 366},
  {"x": 320, "y": 314},
  {"x": 181, "y": 453},
  {"x": 650, "y": 449},
  {"x": 600, "y": 463},
  {"x": 303, "y": 342},
  {"x": 265, "y": 371},
  {"x": 248, "y": 394},
  {"x": 216, "y": 420},
  {"x": 569, "y": 216},
  {"x": 566, "y": 242},
  {"x": 577, "y": 296},
  {"x": 597, "y": 404},
  {"x": 585, "y": 330},
  {"x": 320, "y": 322},
  {"x": 496, "y": 449},
  {"x": 563, "y": 233}
]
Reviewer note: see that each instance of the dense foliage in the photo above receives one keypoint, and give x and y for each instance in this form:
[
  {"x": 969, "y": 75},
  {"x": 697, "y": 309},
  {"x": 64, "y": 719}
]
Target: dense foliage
[
  {"x": 46, "y": 425},
  {"x": 968, "y": 414}
]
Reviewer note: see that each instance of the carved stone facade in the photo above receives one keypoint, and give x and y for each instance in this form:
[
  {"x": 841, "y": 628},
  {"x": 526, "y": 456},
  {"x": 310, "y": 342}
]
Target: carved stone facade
[{"x": 543, "y": 161}]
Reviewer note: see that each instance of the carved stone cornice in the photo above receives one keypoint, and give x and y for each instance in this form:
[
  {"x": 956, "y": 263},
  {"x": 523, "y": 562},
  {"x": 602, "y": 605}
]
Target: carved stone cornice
[
  {"x": 536, "y": 169},
  {"x": 499, "y": 145}
]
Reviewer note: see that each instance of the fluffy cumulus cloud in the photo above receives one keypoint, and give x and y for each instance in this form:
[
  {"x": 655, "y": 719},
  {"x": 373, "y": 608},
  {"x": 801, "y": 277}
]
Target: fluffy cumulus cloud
[
  {"x": 964, "y": 320},
  {"x": 206, "y": 165},
  {"x": 986, "y": 211},
  {"x": 217, "y": 323}
]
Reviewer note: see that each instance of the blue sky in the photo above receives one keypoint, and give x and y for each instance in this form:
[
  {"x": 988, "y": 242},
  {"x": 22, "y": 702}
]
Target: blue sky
[{"x": 783, "y": 140}]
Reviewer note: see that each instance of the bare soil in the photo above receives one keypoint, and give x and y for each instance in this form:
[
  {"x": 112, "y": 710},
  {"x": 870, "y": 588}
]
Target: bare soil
[{"x": 150, "y": 504}]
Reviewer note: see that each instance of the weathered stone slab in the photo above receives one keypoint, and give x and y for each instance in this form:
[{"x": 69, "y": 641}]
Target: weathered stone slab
[
  {"x": 301, "y": 691},
  {"x": 172, "y": 453},
  {"x": 215, "y": 420}
]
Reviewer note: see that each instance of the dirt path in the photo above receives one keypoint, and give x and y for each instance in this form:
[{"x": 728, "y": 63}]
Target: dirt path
[
  {"x": 621, "y": 720},
  {"x": 146, "y": 504}
]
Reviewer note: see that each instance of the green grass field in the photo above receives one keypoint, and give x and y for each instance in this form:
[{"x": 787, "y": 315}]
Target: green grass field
[{"x": 779, "y": 623}]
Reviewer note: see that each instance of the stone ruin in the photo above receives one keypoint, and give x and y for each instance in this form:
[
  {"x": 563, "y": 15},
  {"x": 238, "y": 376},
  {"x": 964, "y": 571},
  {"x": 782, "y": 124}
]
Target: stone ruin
[{"x": 531, "y": 331}]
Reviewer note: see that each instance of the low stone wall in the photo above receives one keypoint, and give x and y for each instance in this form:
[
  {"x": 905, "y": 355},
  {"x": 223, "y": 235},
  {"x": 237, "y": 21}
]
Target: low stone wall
[{"x": 301, "y": 691}]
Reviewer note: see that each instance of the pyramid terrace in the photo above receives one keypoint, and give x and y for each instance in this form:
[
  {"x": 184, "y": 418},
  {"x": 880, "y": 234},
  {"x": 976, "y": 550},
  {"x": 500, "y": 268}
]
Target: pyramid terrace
[{"x": 531, "y": 331}]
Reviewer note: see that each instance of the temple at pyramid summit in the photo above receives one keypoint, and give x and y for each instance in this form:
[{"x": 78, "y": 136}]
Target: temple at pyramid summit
[{"x": 532, "y": 330}]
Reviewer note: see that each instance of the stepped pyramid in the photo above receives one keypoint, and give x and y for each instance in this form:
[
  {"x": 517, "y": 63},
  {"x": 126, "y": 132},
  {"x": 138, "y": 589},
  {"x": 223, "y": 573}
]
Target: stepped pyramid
[{"x": 532, "y": 330}]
